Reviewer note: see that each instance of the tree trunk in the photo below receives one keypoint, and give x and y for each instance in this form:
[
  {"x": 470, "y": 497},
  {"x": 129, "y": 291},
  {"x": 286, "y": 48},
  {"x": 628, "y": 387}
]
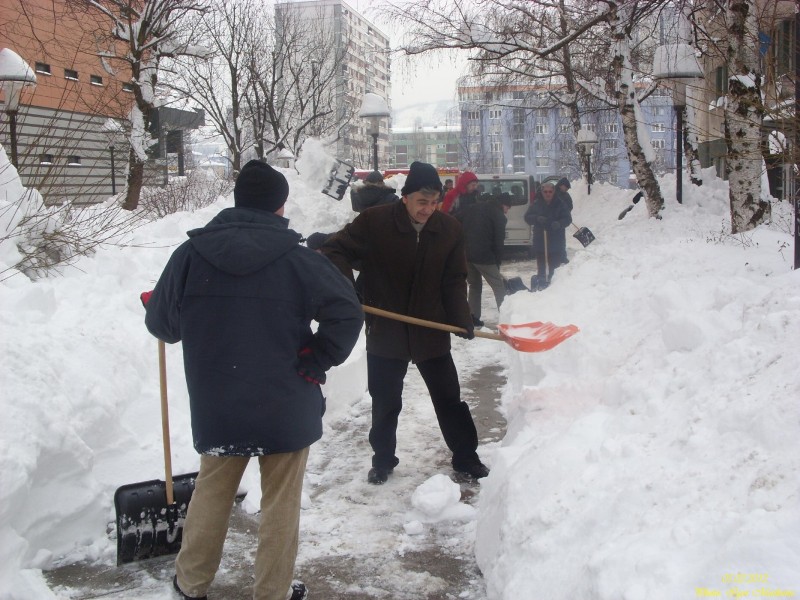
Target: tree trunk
[
  {"x": 135, "y": 181},
  {"x": 690, "y": 150},
  {"x": 637, "y": 143},
  {"x": 744, "y": 113}
]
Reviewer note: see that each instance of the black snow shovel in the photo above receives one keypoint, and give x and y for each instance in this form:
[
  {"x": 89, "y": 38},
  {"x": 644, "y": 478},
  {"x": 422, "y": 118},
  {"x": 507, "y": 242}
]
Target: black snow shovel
[
  {"x": 150, "y": 514},
  {"x": 583, "y": 235},
  {"x": 540, "y": 282}
]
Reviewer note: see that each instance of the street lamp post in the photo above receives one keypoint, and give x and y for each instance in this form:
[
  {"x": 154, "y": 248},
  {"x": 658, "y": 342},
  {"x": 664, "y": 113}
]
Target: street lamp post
[
  {"x": 113, "y": 132},
  {"x": 586, "y": 140},
  {"x": 374, "y": 108},
  {"x": 15, "y": 74},
  {"x": 677, "y": 65}
]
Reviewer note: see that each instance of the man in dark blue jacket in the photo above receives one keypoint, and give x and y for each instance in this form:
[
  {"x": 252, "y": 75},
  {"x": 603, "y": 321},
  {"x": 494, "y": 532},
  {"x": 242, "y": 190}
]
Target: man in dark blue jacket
[{"x": 241, "y": 294}]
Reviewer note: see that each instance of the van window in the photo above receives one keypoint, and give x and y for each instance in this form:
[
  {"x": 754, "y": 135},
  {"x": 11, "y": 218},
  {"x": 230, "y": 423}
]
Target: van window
[{"x": 515, "y": 188}]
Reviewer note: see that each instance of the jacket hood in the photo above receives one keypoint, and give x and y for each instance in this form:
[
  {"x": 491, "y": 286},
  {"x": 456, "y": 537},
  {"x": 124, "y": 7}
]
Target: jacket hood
[
  {"x": 464, "y": 180},
  {"x": 241, "y": 241}
]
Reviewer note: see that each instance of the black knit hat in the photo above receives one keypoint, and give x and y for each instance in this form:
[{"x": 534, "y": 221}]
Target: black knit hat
[
  {"x": 374, "y": 177},
  {"x": 260, "y": 186},
  {"x": 564, "y": 181},
  {"x": 421, "y": 175}
]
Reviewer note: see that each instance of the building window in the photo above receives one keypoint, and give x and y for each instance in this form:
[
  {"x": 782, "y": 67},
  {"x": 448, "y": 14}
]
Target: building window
[
  {"x": 784, "y": 47},
  {"x": 659, "y": 128},
  {"x": 611, "y": 128},
  {"x": 721, "y": 83},
  {"x": 611, "y": 144},
  {"x": 71, "y": 74},
  {"x": 95, "y": 80},
  {"x": 495, "y": 114},
  {"x": 540, "y": 128},
  {"x": 46, "y": 159},
  {"x": 519, "y": 164},
  {"x": 658, "y": 144},
  {"x": 74, "y": 160},
  {"x": 658, "y": 111},
  {"x": 542, "y": 161},
  {"x": 590, "y": 127},
  {"x": 127, "y": 87},
  {"x": 43, "y": 68},
  {"x": 564, "y": 128}
]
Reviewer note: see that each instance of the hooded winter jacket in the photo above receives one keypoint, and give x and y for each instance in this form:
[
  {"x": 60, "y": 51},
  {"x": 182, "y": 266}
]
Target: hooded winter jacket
[
  {"x": 241, "y": 294},
  {"x": 451, "y": 198},
  {"x": 369, "y": 195},
  {"x": 484, "y": 232},
  {"x": 421, "y": 274}
]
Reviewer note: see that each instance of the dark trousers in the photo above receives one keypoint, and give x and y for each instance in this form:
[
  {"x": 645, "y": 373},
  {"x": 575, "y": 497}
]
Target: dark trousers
[{"x": 385, "y": 380}]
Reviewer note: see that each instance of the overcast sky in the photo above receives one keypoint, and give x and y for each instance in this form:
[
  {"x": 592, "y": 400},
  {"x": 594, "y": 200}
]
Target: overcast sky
[{"x": 416, "y": 80}]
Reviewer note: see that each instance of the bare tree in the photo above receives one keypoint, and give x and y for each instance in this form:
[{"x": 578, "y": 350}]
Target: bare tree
[
  {"x": 744, "y": 108},
  {"x": 141, "y": 34},
  {"x": 533, "y": 38},
  {"x": 219, "y": 83},
  {"x": 295, "y": 89}
]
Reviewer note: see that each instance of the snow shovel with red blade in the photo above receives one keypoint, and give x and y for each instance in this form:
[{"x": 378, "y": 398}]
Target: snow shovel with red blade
[
  {"x": 150, "y": 514},
  {"x": 528, "y": 337}
]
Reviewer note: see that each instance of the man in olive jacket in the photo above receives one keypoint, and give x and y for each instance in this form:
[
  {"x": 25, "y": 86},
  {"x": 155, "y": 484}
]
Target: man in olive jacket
[
  {"x": 412, "y": 261},
  {"x": 241, "y": 294}
]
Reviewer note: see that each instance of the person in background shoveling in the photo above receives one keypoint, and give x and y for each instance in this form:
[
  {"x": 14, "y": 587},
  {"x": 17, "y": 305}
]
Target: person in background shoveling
[
  {"x": 412, "y": 262},
  {"x": 562, "y": 191},
  {"x": 241, "y": 294},
  {"x": 484, "y": 235},
  {"x": 549, "y": 216}
]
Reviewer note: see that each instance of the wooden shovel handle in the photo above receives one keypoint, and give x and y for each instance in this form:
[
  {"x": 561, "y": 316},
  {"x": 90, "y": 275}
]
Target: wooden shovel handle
[
  {"x": 162, "y": 379},
  {"x": 431, "y": 324}
]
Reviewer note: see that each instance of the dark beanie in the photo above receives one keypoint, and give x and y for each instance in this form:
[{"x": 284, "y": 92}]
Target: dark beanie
[
  {"x": 564, "y": 181},
  {"x": 421, "y": 175},
  {"x": 374, "y": 177},
  {"x": 260, "y": 186}
]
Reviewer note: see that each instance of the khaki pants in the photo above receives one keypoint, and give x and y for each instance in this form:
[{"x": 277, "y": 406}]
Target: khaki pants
[{"x": 209, "y": 513}]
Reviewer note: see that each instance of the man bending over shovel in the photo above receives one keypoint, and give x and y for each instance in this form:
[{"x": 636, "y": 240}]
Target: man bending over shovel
[{"x": 241, "y": 294}]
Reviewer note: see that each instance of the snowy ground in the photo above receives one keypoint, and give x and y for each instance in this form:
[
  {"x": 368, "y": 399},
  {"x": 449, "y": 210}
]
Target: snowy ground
[{"x": 652, "y": 456}]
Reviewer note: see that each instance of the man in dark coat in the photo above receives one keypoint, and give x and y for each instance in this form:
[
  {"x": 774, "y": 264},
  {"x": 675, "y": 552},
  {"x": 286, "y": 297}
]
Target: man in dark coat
[
  {"x": 562, "y": 191},
  {"x": 241, "y": 294},
  {"x": 484, "y": 235},
  {"x": 549, "y": 216},
  {"x": 412, "y": 262},
  {"x": 374, "y": 192}
]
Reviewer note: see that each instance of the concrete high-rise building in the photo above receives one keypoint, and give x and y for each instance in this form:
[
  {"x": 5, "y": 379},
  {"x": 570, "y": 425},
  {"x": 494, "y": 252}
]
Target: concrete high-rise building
[{"x": 366, "y": 67}]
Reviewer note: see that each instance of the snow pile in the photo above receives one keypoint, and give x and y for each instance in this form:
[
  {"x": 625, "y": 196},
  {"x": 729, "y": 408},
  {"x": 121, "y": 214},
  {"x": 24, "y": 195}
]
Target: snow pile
[
  {"x": 438, "y": 499},
  {"x": 652, "y": 454},
  {"x": 656, "y": 452}
]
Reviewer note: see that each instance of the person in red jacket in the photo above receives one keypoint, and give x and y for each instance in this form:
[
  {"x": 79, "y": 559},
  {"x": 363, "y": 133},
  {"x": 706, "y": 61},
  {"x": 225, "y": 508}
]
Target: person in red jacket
[{"x": 462, "y": 194}]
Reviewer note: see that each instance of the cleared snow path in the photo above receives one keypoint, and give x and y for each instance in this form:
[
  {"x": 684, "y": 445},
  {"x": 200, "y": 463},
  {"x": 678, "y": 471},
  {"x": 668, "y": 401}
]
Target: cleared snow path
[{"x": 357, "y": 541}]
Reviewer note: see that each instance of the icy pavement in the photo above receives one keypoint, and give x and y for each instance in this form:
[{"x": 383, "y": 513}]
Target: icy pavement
[{"x": 353, "y": 540}]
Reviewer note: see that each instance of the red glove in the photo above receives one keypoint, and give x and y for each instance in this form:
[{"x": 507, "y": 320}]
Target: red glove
[
  {"x": 145, "y": 297},
  {"x": 308, "y": 368}
]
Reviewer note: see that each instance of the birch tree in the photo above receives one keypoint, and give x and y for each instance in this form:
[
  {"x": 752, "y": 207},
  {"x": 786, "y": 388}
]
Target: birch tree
[
  {"x": 143, "y": 33},
  {"x": 729, "y": 31},
  {"x": 744, "y": 113},
  {"x": 528, "y": 38}
]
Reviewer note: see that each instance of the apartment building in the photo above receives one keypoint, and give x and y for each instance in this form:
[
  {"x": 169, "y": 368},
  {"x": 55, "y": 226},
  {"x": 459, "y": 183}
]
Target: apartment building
[
  {"x": 71, "y": 141},
  {"x": 439, "y": 145},
  {"x": 366, "y": 67},
  {"x": 520, "y": 129}
]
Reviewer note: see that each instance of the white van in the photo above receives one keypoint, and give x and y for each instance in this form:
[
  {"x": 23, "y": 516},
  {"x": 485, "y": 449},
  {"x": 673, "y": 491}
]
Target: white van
[{"x": 518, "y": 187}]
